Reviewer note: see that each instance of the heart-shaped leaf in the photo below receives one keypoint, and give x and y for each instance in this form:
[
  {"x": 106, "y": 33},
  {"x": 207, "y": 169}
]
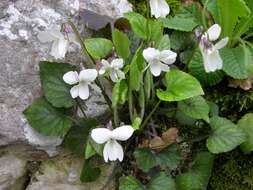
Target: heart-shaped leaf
[{"x": 89, "y": 173}]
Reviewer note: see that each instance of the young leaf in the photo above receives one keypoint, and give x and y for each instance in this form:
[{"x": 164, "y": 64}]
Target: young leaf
[
  {"x": 136, "y": 123},
  {"x": 56, "y": 91},
  {"x": 195, "y": 107},
  {"x": 196, "y": 68},
  {"x": 163, "y": 43},
  {"x": 119, "y": 93},
  {"x": 77, "y": 136},
  {"x": 180, "y": 23},
  {"x": 180, "y": 86},
  {"x": 161, "y": 181},
  {"x": 136, "y": 67},
  {"x": 46, "y": 119},
  {"x": 225, "y": 135},
  {"x": 145, "y": 159},
  {"x": 198, "y": 176},
  {"x": 234, "y": 62},
  {"x": 130, "y": 183},
  {"x": 138, "y": 24},
  {"x": 121, "y": 43},
  {"x": 246, "y": 124},
  {"x": 89, "y": 173},
  {"x": 98, "y": 48}
]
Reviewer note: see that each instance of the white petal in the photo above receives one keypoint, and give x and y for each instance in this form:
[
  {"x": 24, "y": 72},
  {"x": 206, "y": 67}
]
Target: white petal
[
  {"x": 101, "y": 135},
  {"x": 164, "y": 67},
  {"x": 114, "y": 77},
  {"x": 121, "y": 74},
  {"x": 105, "y": 63},
  {"x": 221, "y": 44},
  {"x": 212, "y": 61},
  {"x": 74, "y": 91},
  {"x": 70, "y": 77},
  {"x": 117, "y": 63},
  {"x": 59, "y": 48},
  {"x": 88, "y": 75},
  {"x": 45, "y": 36},
  {"x": 155, "y": 69},
  {"x": 214, "y": 32},
  {"x": 105, "y": 67},
  {"x": 168, "y": 56},
  {"x": 83, "y": 91},
  {"x": 122, "y": 133},
  {"x": 102, "y": 70},
  {"x": 113, "y": 151},
  {"x": 159, "y": 8},
  {"x": 150, "y": 54}
]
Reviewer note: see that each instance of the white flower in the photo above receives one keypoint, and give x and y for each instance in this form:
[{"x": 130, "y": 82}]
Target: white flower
[
  {"x": 158, "y": 61},
  {"x": 112, "y": 149},
  {"x": 210, "y": 51},
  {"x": 113, "y": 69},
  {"x": 159, "y": 8},
  {"x": 84, "y": 79},
  {"x": 60, "y": 42}
]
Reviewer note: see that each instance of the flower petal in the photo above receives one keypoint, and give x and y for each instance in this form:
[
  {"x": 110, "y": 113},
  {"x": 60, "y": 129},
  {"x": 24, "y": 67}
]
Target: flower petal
[
  {"x": 221, "y": 44},
  {"x": 59, "y": 48},
  {"x": 150, "y": 54},
  {"x": 113, "y": 151},
  {"x": 74, "y": 91},
  {"x": 168, "y": 56},
  {"x": 214, "y": 32},
  {"x": 155, "y": 68},
  {"x": 159, "y": 8},
  {"x": 117, "y": 63},
  {"x": 122, "y": 133},
  {"x": 164, "y": 67},
  {"x": 101, "y": 135},
  {"x": 212, "y": 61},
  {"x": 83, "y": 91},
  {"x": 70, "y": 77},
  {"x": 88, "y": 75},
  {"x": 120, "y": 74}
]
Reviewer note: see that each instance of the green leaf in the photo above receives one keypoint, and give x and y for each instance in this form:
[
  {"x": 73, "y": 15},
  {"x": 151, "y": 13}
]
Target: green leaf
[
  {"x": 164, "y": 43},
  {"x": 155, "y": 30},
  {"x": 119, "y": 93},
  {"x": 246, "y": 124},
  {"x": 130, "y": 183},
  {"x": 225, "y": 135},
  {"x": 184, "y": 119},
  {"x": 198, "y": 176},
  {"x": 89, "y": 173},
  {"x": 180, "y": 86},
  {"x": 136, "y": 123},
  {"x": 77, "y": 136},
  {"x": 195, "y": 107},
  {"x": 98, "y": 48},
  {"x": 138, "y": 24},
  {"x": 196, "y": 67},
  {"x": 121, "y": 43},
  {"x": 56, "y": 91},
  {"x": 169, "y": 157},
  {"x": 230, "y": 11},
  {"x": 46, "y": 119},
  {"x": 161, "y": 182},
  {"x": 89, "y": 151},
  {"x": 136, "y": 67},
  {"x": 145, "y": 159},
  {"x": 234, "y": 62},
  {"x": 180, "y": 23}
]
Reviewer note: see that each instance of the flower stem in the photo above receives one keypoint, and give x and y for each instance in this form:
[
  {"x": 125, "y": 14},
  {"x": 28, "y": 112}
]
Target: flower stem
[
  {"x": 81, "y": 108},
  {"x": 204, "y": 14}
]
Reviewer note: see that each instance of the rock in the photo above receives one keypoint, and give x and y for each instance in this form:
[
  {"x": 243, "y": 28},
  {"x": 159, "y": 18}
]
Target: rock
[
  {"x": 12, "y": 172},
  {"x": 63, "y": 172}
]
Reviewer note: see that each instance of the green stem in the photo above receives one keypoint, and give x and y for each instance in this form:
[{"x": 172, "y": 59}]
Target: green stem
[
  {"x": 150, "y": 115},
  {"x": 130, "y": 105},
  {"x": 81, "y": 108},
  {"x": 204, "y": 14}
]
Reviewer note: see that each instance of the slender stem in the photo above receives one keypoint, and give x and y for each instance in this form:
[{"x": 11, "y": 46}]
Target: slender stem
[
  {"x": 116, "y": 117},
  {"x": 248, "y": 36},
  {"x": 111, "y": 177},
  {"x": 204, "y": 14},
  {"x": 130, "y": 105},
  {"x": 106, "y": 97},
  {"x": 150, "y": 115},
  {"x": 81, "y": 108}
]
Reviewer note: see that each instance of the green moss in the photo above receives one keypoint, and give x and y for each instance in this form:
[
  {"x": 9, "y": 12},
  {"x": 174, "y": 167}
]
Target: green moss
[
  {"x": 140, "y": 6},
  {"x": 232, "y": 171}
]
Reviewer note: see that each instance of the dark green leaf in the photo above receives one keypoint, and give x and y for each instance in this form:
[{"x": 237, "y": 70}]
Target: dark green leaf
[
  {"x": 180, "y": 23},
  {"x": 145, "y": 159},
  {"x": 56, "y": 91},
  {"x": 46, "y": 119},
  {"x": 155, "y": 30},
  {"x": 161, "y": 182},
  {"x": 180, "y": 86},
  {"x": 98, "y": 48},
  {"x": 225, "y": 135},
  {"x": 121, "y": 43},
  {"x": 164, "y": 43},
  {"x": 130, "y": 183},
  {"x": 89, "y": 173}
]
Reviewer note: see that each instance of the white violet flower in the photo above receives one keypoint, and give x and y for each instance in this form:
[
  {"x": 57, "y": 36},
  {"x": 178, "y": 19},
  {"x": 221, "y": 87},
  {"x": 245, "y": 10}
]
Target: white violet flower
[
  {"x": 112, "y": 149},
  {"x": 158, "y": 61},
  {"x": 159, "y": 8},
  {"x": 210, "y": 52},
  {"x": 84, "y": 79},
  {"x": 113, "y": 69},
  {"x": 60, "y": 41}
]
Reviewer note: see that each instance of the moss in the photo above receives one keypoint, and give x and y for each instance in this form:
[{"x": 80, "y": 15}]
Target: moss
[
  {"x": 140, "y": 6},
  {"x": 232, "y": 171}
]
